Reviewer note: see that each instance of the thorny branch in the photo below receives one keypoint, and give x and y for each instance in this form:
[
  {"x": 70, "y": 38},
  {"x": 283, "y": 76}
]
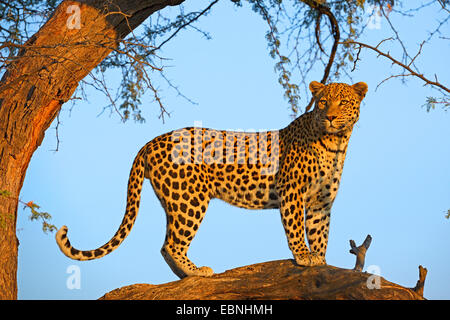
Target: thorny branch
[{"x": 407, "y": 67}]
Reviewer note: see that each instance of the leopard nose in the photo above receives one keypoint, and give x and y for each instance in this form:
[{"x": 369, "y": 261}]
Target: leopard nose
[{"x": 331, "y": 118}]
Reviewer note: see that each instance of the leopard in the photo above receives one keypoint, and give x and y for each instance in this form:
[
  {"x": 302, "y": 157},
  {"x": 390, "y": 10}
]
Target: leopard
[{"x": 296, "y": 169}]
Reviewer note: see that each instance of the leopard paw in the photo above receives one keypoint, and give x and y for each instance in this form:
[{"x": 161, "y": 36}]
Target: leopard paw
[
  {"x": 316, "y": 259},
  {"x": 202, "y": 272},
  {"x": 303, "y": 259},
  {"x": 310, "y": 259}
]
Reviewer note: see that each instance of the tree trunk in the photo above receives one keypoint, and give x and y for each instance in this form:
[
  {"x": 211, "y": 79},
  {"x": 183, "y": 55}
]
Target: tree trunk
[{"x": 76, "y": 38}]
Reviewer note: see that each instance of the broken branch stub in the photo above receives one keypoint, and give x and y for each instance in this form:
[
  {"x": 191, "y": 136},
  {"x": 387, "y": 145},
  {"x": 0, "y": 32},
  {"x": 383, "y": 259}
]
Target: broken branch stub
[
  {"x": 421, "y": 282},
  {"x": 360, "y": 252}
]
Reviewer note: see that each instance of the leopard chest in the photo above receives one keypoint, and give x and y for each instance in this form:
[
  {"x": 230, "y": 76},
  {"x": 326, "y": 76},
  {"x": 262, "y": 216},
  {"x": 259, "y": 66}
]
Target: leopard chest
[{"x": 325, "y": 181}]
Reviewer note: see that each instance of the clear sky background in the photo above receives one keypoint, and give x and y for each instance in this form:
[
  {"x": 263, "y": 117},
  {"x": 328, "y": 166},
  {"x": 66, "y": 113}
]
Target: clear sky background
[{"x": 395, "y": 185}]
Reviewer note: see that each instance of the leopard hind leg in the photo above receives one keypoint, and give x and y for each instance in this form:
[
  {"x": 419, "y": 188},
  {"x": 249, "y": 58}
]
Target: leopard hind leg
[{"x": 185, "y": 212}]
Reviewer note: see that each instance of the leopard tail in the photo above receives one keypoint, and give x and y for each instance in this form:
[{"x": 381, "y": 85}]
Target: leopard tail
[{"x": 135, "y": 182}]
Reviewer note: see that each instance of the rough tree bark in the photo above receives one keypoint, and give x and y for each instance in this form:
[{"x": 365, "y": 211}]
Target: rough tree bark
[
  {"x": 273, "y": 280},
  {"x": 43, "y": 77}
]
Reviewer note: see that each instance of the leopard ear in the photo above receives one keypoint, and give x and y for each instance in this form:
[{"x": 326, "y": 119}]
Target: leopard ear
[
  {"x": 361, "y": 89},
  {"x": 316, "y": 87}
]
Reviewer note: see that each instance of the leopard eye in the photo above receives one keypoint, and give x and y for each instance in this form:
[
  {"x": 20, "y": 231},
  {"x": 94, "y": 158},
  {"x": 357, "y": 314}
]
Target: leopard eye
[
  {"x": 344, "y": 102},
  {"x": 322, "y": 103}
]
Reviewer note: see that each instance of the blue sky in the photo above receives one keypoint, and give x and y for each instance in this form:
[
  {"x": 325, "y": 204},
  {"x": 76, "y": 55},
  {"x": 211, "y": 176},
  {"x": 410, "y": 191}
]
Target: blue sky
[{"x": 395, "y": 185}]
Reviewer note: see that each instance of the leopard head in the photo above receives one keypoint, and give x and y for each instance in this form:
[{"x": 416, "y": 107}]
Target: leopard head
[{"x": 337, "y": 104}]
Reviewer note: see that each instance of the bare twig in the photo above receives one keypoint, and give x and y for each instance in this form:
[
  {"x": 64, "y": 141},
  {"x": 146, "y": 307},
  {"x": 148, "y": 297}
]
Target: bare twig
[
  {"x": 397, "y": 37},
  {"x": 357, "y": 59},
  {"x": 393, "y": 76},
  {"x": 360, "y": 252},
  {"x": 204, "y": 11},
  {"x": 417, "y": 54},
  {"x": 443, "y": 4},
  {"x": 57, "y": 132},
  {"x": 427, "y": 81}
]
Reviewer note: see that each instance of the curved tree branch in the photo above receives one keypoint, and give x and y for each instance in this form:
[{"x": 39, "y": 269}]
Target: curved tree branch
[
  {"x": 324, "y": 10},
  {"x": 317, "y": 32}
]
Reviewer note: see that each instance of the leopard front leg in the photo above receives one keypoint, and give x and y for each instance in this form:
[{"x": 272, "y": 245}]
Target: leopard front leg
[
  {"x": 292, "y": 217},
  {"x": 317, "y": 225}
]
